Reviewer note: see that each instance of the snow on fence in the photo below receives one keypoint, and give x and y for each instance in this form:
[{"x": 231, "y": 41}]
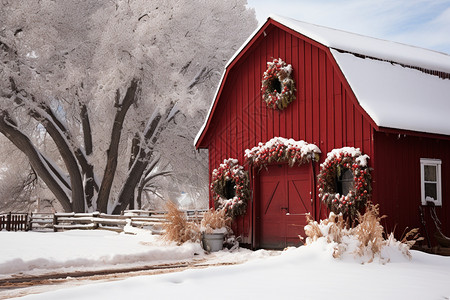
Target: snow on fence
[
  {"x": 41, "y": 221},
  {"x": 151, "y": 220},
  {"x": 14, "y": 221}
]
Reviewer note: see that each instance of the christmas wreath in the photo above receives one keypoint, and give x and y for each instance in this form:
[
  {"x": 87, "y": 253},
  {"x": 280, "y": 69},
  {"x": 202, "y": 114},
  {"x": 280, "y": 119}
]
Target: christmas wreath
[
  {"x": 278, "y": 89},
  {"x": 280, "y": 149},
  {"x": 229, "y": 187},
  {"x": 339, "y": 161}
]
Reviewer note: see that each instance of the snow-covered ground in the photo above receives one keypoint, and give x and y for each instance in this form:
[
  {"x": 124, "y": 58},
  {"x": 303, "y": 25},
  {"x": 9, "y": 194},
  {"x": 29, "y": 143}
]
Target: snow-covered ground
[{"x": 308, "y": 272}]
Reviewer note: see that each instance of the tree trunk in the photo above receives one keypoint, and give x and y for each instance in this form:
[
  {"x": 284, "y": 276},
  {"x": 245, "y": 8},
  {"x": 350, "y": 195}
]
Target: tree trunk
[
  {"x": 88, "y": 169},
  {"x": 71, "y": 164},
  {"x": 156, "y": 124},
  {"x": 23, "y": 143},
  {"x": 134, "y": 154},
  {"x": 112, "y": 152},
  {"x": 138, "y": 168},
  {"x": 60, "y": 135}
]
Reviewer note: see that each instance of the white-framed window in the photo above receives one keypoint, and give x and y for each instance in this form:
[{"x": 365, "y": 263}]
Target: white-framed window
[{"x": 430, "y": 181}]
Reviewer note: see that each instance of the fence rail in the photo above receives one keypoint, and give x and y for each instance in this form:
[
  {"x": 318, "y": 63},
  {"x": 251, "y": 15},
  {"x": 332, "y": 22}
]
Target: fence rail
[{"x": 150, "y": 220}]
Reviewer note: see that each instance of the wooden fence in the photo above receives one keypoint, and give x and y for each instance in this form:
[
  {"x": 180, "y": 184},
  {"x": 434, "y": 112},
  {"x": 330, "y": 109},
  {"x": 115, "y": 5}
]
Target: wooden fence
[
  {"x": 150, "y": 220},
  {"x": 14, "y": 221}
]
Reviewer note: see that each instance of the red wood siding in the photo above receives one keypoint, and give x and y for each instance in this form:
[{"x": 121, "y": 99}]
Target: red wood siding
[
  {"x": 397, "y": 180},
  {"x": 325, "y": 112}
]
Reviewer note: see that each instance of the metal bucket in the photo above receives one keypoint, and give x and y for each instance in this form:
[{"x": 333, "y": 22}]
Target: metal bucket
[{"x": 212, "y": 242}]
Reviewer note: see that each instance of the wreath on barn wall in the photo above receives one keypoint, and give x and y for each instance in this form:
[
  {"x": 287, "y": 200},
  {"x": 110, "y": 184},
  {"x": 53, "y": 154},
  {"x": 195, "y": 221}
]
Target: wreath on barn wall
[
  {"x": 278, "y": 88},
  {"x": 280, "y": 149},
  {"x": 345, "y": 162},
  {"x": 230, "y": 188}
]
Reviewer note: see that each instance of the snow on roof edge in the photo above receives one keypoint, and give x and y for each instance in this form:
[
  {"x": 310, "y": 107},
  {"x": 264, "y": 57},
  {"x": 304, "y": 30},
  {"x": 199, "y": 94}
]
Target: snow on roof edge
[
  {"x": 369, "y": 46},
  {"x": 200, "y": 132}
]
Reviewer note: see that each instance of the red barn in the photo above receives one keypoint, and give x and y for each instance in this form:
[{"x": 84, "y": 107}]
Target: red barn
[{"x": 390, "y": 100}]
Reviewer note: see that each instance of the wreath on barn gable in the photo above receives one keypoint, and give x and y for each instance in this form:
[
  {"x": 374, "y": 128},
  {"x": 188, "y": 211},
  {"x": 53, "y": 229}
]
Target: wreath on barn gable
[
  {"x": 230, "y": 187},
  {"x": 280, "y": 149},
  {"x": 278, "y": 88},
  {"x": 345, "y": 181}
]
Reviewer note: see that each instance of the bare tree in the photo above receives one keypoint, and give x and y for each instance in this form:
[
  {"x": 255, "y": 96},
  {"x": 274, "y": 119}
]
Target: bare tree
[{"x": 89, "y": 90}]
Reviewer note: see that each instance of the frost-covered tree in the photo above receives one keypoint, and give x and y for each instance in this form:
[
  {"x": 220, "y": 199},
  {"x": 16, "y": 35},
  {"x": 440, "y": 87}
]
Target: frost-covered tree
[{"x": 91, "y": 91}]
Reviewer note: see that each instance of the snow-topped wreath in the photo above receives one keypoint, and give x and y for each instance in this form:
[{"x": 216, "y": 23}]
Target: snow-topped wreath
[
  {"x": 230, "y": 175},
  {"x": 280, "y": 149},
  {"x": 337, "y": 162},
  {"x": 278, "y": 89}
]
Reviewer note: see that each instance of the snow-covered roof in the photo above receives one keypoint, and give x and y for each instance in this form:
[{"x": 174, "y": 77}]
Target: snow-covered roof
[
  {"x": 398, "y": 97},
  {"x": 394, "y": 96}
]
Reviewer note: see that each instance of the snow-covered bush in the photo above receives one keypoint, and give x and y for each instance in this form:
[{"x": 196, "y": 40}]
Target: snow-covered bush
[{"x": 365, "y": 242}]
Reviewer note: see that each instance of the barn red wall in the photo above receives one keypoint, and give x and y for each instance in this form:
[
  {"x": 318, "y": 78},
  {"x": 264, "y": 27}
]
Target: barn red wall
[
  {"x": 397, "y": 180},
  {"x": 325, "y": 112}
]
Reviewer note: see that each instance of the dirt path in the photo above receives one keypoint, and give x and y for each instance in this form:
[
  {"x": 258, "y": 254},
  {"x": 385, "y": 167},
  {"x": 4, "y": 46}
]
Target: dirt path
[{"x": 19, "y": 286}]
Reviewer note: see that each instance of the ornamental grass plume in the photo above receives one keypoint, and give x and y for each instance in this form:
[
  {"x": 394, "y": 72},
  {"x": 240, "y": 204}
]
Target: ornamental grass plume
[
  {"x": 332, "y": 229},
  {"x": 215, "y": 220},
  {"x": 370, "y": 232},
  {"x": 177, "y": 228},
  {"x": 312, "y": 230}
]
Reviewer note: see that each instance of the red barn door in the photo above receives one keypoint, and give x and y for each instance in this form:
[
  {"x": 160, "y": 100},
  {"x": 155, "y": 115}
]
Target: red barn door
[{"x": 285, "y": 198}]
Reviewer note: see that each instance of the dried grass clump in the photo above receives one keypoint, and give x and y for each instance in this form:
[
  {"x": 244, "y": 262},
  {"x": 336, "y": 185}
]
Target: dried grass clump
[
  {"x": 312, "y": 230},
  {"x": 408, "y": 240},
  {"x": 337, "y": 228},
  {"x": 367, "y": 239},
  {"x": 412, "y": 237},
  {"x": 370, "y": 232},
  {"x": 177, "y": 228},
  {"x": 332, "y": 228},
  {"x": 215, "y": 219}
]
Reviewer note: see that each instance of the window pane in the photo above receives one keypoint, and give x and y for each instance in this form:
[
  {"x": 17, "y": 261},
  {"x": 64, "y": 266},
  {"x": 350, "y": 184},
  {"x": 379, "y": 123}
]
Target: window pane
[
  {"x": 430, "y": 173},
  {"x": 431, "y": 190},
  {"x": 229, "y": 190},
  {"x": 345, "y": 183}
]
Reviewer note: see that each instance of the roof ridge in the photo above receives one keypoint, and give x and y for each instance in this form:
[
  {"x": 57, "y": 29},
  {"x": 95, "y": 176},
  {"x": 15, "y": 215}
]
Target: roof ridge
[{"x": 388, "y": 50}]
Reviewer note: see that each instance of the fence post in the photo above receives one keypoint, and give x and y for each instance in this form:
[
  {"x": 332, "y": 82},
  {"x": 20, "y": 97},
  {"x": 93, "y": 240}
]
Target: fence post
[
  {"x": 55, "y": 222},
  {"x": 8, "y": 222},
  {"x": 29, "y": 224}
]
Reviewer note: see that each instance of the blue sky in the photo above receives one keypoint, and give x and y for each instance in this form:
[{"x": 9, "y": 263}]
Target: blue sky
[{"x": 423, "y": 23}]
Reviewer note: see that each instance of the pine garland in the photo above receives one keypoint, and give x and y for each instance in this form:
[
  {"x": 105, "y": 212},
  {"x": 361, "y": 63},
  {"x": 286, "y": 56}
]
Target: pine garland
[{"x": 279, "y": 150}]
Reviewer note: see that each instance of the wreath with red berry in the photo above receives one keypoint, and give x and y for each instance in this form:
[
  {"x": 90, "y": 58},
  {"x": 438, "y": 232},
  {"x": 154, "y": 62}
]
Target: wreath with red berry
[
  {"x": 278, "y": 88},
  {"x": 280, "y": 149},
  {"x": 347, "y": 159},
  {"x": 230, "y": 188}
]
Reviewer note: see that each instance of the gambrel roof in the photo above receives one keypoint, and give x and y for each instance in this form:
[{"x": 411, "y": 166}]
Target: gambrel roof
[{"x": 399, "y": 86}]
